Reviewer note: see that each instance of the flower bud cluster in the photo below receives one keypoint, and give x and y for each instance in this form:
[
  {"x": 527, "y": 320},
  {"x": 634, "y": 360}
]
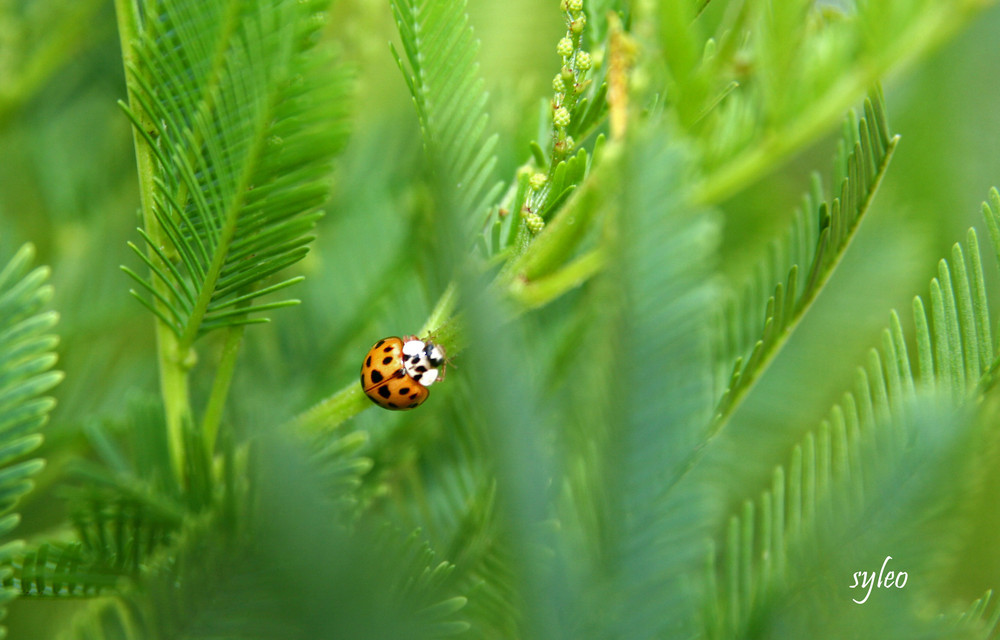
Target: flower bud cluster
[
  {"x": 568, "y": 87},
  {"x": 571, "y": 81},
  {"x": 534, "y": 221}
]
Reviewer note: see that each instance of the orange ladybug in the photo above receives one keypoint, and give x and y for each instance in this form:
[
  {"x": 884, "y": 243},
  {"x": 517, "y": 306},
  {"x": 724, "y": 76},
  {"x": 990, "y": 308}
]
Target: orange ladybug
[{"x": 397, "y": 371}]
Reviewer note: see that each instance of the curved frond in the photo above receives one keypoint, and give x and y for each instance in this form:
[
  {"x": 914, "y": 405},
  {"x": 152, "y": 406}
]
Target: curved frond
[
  {"x": 341, "y": 465},
  {"x": 441, "y": 72},
  {"x": 63, "y": 570},
  {"x": 265, "y": 579},
  {"x": 638, "y": 403},
  {"x": 878, "y": 452},
  {"x": 755, "y": 323},
  {"x": 663, "y": 389},
  {"x": 26, "y": 360},
  {"x": 125, "y": 507},
  {"x": 453, "y": 502},
  {"x": 120, "y": 527},
  {"x": 242, "y": 115}
]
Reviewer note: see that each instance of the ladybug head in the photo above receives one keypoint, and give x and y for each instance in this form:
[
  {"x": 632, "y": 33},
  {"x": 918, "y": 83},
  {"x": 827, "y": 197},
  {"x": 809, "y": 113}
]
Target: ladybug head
[{"x": 434, "y": 354}]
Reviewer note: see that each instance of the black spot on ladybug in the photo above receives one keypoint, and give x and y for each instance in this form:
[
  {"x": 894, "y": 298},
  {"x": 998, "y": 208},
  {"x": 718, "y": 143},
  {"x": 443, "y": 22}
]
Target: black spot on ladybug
[
  {"x": 376, "y": 377},
  {"x": 384, "y": 392},
  {"x": 413, "y": 396},
  {"x": 400, "y": 373},
  {"x": 379, "y": 343},
  {"x": 368, "y": 362},
  {"x": 392, "y": 405},
  {"x": 387, "y": 349},
  {"x": 387, "y": 360},
  {"x": 413, "y": 405},
  {"x": 421, "y": 369},
  {"x": 404, "y": 391},
  {"x": 414, "y": 358}
]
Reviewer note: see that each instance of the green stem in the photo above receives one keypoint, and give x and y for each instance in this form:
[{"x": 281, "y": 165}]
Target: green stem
[
  {"x": 173, "y": 364},
  {"x": 442, "y": 311},
  {"x": 220, "y": 387},
  {"x": 331, "y": 412},
  {"x": 538, "y": 293}
]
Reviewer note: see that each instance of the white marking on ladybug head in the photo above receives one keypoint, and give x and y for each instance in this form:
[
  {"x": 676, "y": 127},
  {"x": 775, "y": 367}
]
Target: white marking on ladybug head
[
  {"x": 413, "y": 347},
  {"x": 428, "y": 378}
]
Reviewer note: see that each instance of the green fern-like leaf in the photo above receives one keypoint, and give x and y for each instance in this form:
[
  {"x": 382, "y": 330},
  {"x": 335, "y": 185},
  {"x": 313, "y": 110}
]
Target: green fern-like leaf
[
  {"x": 983, "y": 615},
  {"x": 667, "y": 248},
  {"x": 441, "y": 72},
  {"x": 55, "y": 570},
  {"x": 26, "y": 357},
  {"x": 786, "y": 282},
  {"x": 342, "y": 466},
  {"x": 242, "y": 115},
  {"x": 455, "y": 508},
  {"x": 125, "y": 507},
  {"x": 244, "y": 572},
  {"x": 863, "y": 458}
]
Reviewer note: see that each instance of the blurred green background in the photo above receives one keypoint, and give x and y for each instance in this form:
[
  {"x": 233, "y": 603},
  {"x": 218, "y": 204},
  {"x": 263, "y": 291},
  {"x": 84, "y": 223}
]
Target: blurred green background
[{"x": 68, "y": 185}]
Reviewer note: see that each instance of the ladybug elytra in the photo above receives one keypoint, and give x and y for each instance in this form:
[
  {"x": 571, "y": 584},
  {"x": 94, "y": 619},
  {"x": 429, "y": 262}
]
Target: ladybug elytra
[{"x": 397, "y": 371}]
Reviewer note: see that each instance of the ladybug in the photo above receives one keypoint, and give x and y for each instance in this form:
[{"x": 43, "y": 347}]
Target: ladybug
[{"x": 397, "y": 371}]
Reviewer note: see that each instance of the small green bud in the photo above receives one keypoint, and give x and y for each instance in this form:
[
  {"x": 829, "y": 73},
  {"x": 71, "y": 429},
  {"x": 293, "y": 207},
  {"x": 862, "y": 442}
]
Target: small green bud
[
  {"x": 575, "y": 5},
  {"x": 557, "y": 84},
  {"x": 583, "y": 60},
  {"x": 567, "y": 75},
  {"x": 577, "y": 25},
  {"x": 569, "y": 144},
  {"x": 560, "y": 117},
  {"x": 537, "y": 181},
  {"x": 564, "y": 5},
  {"x": 565, "y": 47},
  {"x": 533, "y": 220}
]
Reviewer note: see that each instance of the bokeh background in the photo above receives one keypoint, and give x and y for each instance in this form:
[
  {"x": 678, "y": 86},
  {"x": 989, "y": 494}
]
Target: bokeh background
[{"x": 67, "y": 185}]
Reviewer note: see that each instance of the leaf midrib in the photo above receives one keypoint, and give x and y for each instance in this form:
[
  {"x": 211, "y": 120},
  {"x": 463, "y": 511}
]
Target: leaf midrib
[{"x": 231, "y": 218}]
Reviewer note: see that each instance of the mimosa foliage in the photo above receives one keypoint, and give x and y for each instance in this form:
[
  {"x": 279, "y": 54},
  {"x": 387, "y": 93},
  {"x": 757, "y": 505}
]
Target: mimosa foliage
[
  {"x": 242, "y": 123},
  {"x": 800, "y": 263},
  {"x": 882, "y": 453},
  {"x": 555, "y": 485},
  {"x": 26, "y": 360}
]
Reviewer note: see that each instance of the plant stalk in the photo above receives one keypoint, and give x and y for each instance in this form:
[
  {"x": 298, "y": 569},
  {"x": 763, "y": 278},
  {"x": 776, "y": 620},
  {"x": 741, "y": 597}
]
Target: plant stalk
[
  {"x": 173, "y": 364},
  {"x": 220, "y": 386}
]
